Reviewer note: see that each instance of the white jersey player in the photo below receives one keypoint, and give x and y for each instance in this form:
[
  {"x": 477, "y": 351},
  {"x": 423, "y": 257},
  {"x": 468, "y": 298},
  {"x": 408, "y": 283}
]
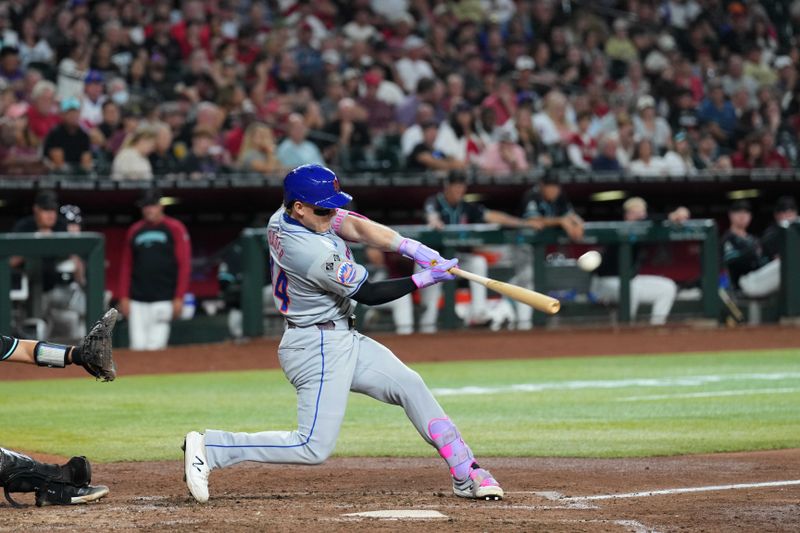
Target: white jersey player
[{"x": 316, "y": 284}]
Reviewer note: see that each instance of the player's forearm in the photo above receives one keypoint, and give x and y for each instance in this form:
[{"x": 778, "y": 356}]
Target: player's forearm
[
  {"x": 498, "y": 217},
  {"x": 381, "y": 292}
]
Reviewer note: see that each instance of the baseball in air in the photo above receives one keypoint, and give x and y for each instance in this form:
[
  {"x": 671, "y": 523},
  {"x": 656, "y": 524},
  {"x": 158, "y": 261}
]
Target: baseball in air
[{"x": 589, "y": 261}]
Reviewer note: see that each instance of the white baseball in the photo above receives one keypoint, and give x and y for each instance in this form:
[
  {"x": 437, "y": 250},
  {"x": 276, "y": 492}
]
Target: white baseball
[{"x": 590, "y": 261}]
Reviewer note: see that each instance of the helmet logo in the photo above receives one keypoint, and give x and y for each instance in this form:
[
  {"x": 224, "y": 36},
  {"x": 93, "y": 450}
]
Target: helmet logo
[{"x": 336, "y": 186}]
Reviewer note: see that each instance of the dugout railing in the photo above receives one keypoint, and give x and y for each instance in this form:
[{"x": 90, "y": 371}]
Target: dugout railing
[
  {"x": 35, "y": 246},
  {"x": 623, "y": 234}
]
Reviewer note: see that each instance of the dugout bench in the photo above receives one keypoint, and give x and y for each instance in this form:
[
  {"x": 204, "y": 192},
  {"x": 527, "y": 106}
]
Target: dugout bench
[
  {"x": 623, "y": 234},
  {"x": 35, "y": 246}
]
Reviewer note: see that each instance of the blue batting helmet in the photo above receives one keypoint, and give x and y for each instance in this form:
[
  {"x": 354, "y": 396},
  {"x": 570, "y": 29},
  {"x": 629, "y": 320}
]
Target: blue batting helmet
[{"x": 315, "y": 185}]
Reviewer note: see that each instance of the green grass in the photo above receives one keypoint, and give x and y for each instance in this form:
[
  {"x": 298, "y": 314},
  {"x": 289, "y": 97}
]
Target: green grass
[{"x": 145, "y": 417}]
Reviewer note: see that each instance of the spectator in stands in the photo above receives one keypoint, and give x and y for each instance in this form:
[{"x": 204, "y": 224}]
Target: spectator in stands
[
  {"x": 751, "y": 155},
  {"x": 503, "y": 157},
  {"x": 426, "y": 157},
  {"x": 92, "y": 100},
  {"x": 785, "y": 213},
  {"x": 648, "y": 125},
  {"x": 718, "y": 114},
  {"x": 458, "y": 137},
  {"x": 582, "y": 148},
  {"x": 708, "y": 157},
  {"x": 772, "y": 157},
  {"x": 43, "y": 112},
  {"x": 626, "y": 141},
  {"x": 154, "y": 274},
  {"x": 380, "y": 115},
  {"x": 735, "y": 77},
  {"x": 132, "y": 161},
  {"x": 606, "y": 159},
  {"x": 428, "y": 92},
  {"x": 754, "y": 273},
  {"x": 10, "y": 66},
  {"x": 412, "y": 135},
  {"x": 679, "y": 160},
  {"x": 349, "y": 136},
  {"x": 413, "y": 66},
  {"x": 201, "y": 161},
  {"x": 645, "y": 163},
  {"x": 503, "y": 100},
  {"x": 258, "y": 151},
  {"x": 552, "y": 123},
  {"x": 110, "y": 125},
  {"x": 683, "y": 115},
  {"x": 67, "y": 146},
  {"x": 295, "y": 149},
  {"x": 658, "y": 291},
  {"x": 162, "y": 158},
  {"x": 619, "y": 46},
  {"x": 449, "y": 208}
]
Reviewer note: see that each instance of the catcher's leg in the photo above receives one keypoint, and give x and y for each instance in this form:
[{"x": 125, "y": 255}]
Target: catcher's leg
[
  {"x": 381, "y": 375},
  {"x": 66, "y": 484}
]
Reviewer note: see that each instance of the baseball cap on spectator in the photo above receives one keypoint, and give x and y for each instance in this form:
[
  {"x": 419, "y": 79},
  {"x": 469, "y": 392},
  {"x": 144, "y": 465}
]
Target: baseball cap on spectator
[
  {"x": 350, "y": 74},
  {"x": 70, "y": 103},
  {"x": 372, "y": 78},
  {"x": 525, "y": 63},
  {"x": 666, "y": 42},
  {"x": 783, "y": 62},
  {"x": 331, "y": 57},
  {"x": 8, "y": 50},
  {"x": 620, "y": 24},
  {"x": 645, "y": 101},
  {"x": 94, "y": 76},
  {"x": 404, "y": 17},
  {"x": 740, "y": 205},
  {"x": 736, "y": 9},
  {"x": 149, "y": 197},
  {"x": 680, "y": 136},
  {"x": 785, "y": 203},
  {"x": 505, "y": 136},
  {"x": 412, "y": 42},
  {"x": 47, "y": 200}
]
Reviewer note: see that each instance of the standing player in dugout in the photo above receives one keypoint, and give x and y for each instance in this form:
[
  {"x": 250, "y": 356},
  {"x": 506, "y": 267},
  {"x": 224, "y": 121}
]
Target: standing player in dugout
[{"x": 316, "y": 284}]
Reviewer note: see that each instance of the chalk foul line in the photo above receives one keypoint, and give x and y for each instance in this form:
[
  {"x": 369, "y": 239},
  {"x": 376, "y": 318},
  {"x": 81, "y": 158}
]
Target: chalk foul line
[
  {"x": 683, "y": 490},
  {"x": 674, "y": 381},
  {"x": 710, "y": 394}
]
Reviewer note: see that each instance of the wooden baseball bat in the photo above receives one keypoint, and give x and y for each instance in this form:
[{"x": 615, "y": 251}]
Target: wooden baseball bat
[{"x": 540, "y": 302}]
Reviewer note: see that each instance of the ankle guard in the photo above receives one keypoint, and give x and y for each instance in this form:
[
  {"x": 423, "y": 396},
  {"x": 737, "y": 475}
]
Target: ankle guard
[
  {"x": 451, "y": 447},
  {"x": 20, "y": 473},
  {"x": 51, "y": 355}
]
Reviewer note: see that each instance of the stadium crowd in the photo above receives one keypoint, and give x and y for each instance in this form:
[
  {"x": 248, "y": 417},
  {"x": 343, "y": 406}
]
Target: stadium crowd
[{"x": 128, "y": 90}]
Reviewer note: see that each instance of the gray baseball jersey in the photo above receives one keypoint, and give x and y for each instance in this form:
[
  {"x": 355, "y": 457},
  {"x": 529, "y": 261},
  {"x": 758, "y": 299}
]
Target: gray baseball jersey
[
  {"x": 313, "y": 274},
  {"x": 314, "y": 277}
]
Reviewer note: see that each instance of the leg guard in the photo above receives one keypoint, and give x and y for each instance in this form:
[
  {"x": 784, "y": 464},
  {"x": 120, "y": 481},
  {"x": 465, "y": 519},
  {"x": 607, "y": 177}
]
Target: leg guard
[
  {"x": 20, "y": 473},
  {"x": 451, "y": 447}
]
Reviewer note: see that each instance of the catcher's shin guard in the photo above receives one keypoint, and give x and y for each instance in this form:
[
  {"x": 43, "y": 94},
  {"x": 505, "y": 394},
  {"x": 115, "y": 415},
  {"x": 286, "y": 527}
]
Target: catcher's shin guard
[
  {"x": 20, "y": 473},
  {"x": 451, "y": 447}
]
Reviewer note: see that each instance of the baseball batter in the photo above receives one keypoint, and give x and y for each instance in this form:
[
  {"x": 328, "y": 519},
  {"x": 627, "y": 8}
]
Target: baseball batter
[{"x": 316, "y": 284}]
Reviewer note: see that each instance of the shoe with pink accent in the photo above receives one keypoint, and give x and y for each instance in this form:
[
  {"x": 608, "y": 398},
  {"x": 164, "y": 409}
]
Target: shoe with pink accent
[{"x": 479, "y": 486}]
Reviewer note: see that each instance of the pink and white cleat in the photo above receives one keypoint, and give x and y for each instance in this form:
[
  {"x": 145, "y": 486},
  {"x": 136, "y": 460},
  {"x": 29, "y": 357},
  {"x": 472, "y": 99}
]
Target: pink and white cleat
[{"x": 480, "y": 485}]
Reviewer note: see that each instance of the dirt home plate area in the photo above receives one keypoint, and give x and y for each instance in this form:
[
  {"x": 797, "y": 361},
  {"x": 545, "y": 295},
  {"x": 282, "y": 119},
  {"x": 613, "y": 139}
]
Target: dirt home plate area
[{"x": 754, "y": 491}]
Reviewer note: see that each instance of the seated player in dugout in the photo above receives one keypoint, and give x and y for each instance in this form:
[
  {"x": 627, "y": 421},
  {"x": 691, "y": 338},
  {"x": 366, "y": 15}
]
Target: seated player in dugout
[
  {"x": 448, "y": 208},
  {"x": 658, "y": 291},
  {"x": 316, "y": 284},
  {"x": 751, "y": 271},
  {"x": 70, "y": 483}
]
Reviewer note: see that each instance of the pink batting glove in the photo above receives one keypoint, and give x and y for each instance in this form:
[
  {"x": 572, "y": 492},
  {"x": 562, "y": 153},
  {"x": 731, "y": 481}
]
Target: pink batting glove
[
  {"x": 421, "y": 254},
  {"x": 435, "y": 274}
]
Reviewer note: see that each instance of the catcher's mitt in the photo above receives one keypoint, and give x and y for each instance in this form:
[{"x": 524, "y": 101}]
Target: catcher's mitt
[{"x": 94, "y": 351}]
